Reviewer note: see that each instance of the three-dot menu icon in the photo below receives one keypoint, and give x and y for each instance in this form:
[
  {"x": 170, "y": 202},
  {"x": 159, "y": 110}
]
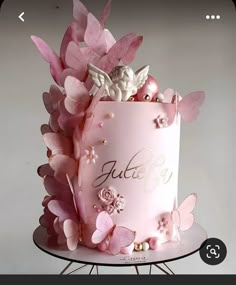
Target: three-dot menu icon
[{"x": 213, "y": 17}]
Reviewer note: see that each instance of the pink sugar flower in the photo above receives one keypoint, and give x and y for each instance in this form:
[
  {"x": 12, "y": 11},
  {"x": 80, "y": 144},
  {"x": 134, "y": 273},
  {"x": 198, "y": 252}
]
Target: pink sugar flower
[
  {"x": 107, "y": 195},
  {"x": 119, "y": 203}
]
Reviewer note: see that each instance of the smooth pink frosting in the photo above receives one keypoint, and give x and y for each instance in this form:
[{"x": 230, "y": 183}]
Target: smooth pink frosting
[{"x": 142, "y": 160}]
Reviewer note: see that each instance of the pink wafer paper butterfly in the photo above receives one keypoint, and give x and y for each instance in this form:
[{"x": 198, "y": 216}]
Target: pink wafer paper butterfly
[
  {"x": 182, "y": 217},
  {"x": 119, "y": 237},
  {"x": 189, "y": 105}
]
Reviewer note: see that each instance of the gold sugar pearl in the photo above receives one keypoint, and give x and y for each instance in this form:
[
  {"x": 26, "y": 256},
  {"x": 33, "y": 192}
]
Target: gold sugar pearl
[
  {"x": 159, "y": 98},
  {"x": 138, "y": 247},
  {"x": 147, "y": 97},
  {"x": 131, "y": 98},
  {"x": 104, "y": 141},
  {"x": 110, "y": 115}
]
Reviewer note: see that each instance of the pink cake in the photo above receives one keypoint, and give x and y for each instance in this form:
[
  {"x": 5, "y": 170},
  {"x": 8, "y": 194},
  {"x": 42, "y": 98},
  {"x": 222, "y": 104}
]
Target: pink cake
[{"x": 112, "y": 144}]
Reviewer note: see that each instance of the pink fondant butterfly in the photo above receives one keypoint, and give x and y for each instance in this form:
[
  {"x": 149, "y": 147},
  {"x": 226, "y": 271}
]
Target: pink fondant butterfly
[
  {"x": 189, "y": 105},
  {"x": 182, "y": 217},
  {"x": 51, "y": 57},
  {"x": 119, "y": 237}
]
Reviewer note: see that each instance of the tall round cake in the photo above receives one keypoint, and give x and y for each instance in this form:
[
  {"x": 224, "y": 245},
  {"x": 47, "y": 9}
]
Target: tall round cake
[
  {"x": 137, "y": 159},
  {"x": 112, "y": 144}
]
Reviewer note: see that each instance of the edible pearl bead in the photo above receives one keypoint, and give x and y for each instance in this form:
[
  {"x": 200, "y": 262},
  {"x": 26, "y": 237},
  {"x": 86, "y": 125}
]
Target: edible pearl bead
[
  {"x": 100, "y": 125},
  {"x": 138, "y": 247},
  {"x": 104, "y": 141},
  {"x": 149, "y": 88},
  {"x": 145, "y": 246},
  {"x": 110, "y": 115},
  {"x": 147, "y": 98},
  {"x": 160, "y": 97},
  {"x": 131, "y": 98}
]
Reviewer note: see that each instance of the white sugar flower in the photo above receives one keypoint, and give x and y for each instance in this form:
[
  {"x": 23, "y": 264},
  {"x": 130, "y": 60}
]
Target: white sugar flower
[{"x": 90, "y": 155}]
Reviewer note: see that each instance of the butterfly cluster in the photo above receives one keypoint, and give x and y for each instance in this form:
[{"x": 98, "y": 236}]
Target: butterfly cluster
[{"x": 70, "y": 107}]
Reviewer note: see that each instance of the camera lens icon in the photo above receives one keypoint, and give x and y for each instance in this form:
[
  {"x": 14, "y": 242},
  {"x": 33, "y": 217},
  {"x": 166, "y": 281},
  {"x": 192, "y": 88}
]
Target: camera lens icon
[{"x": 213, "y": 251}]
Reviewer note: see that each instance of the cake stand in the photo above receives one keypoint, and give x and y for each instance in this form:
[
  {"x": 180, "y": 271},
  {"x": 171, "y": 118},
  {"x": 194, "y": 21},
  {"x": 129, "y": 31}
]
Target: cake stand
[{"x": 191, "y": 241}]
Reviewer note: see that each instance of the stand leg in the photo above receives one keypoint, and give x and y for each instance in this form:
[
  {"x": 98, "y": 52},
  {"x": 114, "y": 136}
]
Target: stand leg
[
  {"x": 150, "y": 270},
  {"x": 66, "y": 268},
  {"x": 163, "y": 270},
  {"x": 90, "y": 272},
  {"x": 168, "y": 268},
  {"x": 136, "y": 268},
  {"x": 97, "y": 269},
  {"x": 77, "y": 269}
]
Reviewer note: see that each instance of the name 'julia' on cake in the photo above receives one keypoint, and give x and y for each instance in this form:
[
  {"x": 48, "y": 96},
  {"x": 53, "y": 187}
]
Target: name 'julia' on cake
[{"x": 112, "y": 144}]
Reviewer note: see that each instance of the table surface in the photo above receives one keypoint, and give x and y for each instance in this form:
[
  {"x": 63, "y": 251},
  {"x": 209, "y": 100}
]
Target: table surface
[{"x": 191, "y": 242}]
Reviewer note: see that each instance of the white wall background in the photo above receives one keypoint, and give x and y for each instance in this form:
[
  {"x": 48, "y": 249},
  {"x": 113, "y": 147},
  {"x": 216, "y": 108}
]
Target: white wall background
[{"x": 185, "y": 51}]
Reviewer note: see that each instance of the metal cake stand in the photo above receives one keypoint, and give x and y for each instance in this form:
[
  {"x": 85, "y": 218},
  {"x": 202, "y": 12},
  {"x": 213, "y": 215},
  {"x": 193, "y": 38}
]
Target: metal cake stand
[{"x": 191, "y": 241}]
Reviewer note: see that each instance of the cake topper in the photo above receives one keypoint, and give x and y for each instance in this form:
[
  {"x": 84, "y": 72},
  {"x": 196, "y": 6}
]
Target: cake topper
[{"x": 121, "y": 83}]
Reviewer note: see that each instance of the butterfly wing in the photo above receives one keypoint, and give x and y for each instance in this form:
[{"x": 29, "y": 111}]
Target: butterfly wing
[
  {"x": 71, "y": 231},
  {"x": 176, "y": 225},
  {"x": 62, "y": 210},
  {"x": 75, "y": 59},
  {"x": 45, "y": 129},
  {"x": 80, "y": 14},
  {"x": 131, "y": 52},
  {"x": 121, "y": 237},
  {"x": 186, "y": 218},
  {"x": 168, "y": 94},
  {"x": 77, "y": 98},
  {"x": 45, "y": 170},
  {"x": 50, "y": 56},
  {"x": 47, "y": 102},
  {"x": 105, "y": 13},
  {"x": 57, "y": 143},
  {"x": 125, "y": 48},
  {"x": 100, "y": 77},
  {"x": 55, "y": 96},
  {"x": 141, "y": 76},
  {"x": 94, "y": 36},
  {"x": 104, "y": 225},
  {"x": 109, "y": 39},
  {"x": 189, "y": 106},
  {"x": 62, "y": 165}
]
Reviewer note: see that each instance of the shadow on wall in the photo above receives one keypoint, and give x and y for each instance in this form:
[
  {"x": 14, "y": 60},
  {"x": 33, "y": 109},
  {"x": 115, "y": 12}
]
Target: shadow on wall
[
  {"x": 234, "y": 1},
  {"x": 1, "y": 1}
]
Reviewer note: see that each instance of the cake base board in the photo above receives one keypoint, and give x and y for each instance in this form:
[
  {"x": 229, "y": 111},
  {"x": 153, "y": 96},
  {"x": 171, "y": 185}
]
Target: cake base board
[{"x": 191, "y": 241}]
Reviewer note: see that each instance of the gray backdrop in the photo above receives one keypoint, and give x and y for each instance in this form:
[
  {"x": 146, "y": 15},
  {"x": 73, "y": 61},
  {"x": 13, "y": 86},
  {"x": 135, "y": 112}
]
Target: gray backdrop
[{"x": 185, "y": 51}]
